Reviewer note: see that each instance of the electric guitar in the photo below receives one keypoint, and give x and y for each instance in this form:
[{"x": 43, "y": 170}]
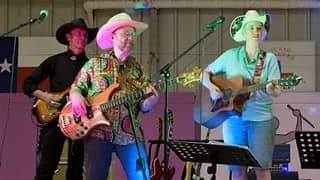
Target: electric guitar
[
  {"x": 192, "y": 170},
  {"x": 156, "y": 160},
  {"x": 236, "y": 92},
  {"x": 77, "y": 127},
  {"x": 158, "y": 170},
  {"x": 45, "y": 113}
]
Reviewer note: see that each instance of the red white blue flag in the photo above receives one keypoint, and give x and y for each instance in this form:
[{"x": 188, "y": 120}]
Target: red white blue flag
[{"x": 8, "y": 64}]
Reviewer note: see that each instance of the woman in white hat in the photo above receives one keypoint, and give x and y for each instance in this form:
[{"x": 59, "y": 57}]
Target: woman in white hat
[
  {"x": 115, "y": 68},
  {"x": 252, "y": 125}
]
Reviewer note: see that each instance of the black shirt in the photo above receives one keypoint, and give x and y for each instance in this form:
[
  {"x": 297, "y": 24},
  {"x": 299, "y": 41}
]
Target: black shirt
[{"x": 61, "y": 70}]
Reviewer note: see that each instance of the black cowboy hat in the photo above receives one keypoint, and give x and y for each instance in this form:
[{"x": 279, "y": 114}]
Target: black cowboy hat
[{"x": 76, "y": 23}]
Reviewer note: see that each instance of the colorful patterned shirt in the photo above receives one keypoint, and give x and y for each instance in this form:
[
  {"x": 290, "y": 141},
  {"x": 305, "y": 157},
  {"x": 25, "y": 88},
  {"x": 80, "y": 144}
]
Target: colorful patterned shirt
[{"x": 103, "y": 74}]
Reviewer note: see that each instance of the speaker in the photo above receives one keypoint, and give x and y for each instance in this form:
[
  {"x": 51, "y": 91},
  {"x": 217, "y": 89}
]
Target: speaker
[{"x": 277, "y": 175}]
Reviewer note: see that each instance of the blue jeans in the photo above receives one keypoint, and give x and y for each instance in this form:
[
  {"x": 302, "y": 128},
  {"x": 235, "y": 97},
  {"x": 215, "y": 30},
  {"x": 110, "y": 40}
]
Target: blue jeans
[{"x": 98, "y": 156}]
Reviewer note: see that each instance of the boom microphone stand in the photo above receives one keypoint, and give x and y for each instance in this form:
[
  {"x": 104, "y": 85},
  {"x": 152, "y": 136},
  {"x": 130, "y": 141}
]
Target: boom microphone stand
[
  {"x": 43, "y": 15},
  {"x": 165, "y": 72}
]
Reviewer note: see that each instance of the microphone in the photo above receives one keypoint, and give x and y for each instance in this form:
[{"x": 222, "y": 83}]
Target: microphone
[
  {"x": 214, "y": 23},
  {"x": 43, "y": 14}
]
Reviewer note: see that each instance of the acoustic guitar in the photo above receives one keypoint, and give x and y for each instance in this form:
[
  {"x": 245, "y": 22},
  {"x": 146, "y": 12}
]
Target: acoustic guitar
[
  {"x": 45, "y": 113},
  {"x": 77, "y": 127},
  {"x": 236, "y": 91}
]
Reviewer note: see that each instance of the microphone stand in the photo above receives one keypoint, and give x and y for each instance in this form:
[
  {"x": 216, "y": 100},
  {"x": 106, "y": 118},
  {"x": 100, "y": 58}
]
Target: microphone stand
[
  {"x": 31, "y": 21},
  {"x": 140, "y": 165},
  {"x": 165, "y": 72}
]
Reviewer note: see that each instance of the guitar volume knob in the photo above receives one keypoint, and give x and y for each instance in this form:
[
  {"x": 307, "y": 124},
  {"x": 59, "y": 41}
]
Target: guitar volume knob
[{"x": 77, "y": 118}]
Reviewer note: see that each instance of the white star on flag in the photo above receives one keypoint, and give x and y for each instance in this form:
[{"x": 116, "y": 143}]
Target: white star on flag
[{"x": 5, "y": 66}]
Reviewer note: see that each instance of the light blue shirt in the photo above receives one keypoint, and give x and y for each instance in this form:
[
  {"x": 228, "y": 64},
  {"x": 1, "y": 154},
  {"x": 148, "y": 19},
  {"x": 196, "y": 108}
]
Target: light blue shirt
[{"x": 233, "y": 62}]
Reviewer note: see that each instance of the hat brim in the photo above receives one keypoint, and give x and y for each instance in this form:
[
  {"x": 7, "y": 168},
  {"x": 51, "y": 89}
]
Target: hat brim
[
  {"x": 238, "y": 36},
  {"x": 104, "y": 35},
  {"x": 66, "y": 28}
]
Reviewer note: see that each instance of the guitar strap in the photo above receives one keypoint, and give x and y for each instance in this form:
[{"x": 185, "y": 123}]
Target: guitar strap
[{"x": 259, "y": 67}]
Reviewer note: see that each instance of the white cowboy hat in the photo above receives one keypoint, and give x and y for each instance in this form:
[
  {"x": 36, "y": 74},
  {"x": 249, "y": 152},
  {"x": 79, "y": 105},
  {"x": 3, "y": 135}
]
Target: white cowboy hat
[
  {"x": 238, "y": 23},
  {"x": 104, "y": 36}
]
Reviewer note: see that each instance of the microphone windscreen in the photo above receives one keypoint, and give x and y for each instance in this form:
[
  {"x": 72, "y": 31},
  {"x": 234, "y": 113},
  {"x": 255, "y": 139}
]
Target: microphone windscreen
[{"x": 44, "y": 13}]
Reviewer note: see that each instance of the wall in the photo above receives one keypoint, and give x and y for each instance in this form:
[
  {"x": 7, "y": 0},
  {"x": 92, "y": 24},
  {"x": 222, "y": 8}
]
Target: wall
[{"x": 171, "y": 31}]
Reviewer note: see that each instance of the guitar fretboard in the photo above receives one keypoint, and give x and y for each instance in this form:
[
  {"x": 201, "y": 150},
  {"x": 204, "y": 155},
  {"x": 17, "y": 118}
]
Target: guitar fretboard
[
  {"x": 255, "y": 87},
  {"x": 135, "y": 96}
]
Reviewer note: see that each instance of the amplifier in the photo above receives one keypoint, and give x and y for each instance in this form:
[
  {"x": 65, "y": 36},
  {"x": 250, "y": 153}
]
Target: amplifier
[{"x": 281, "y": 153}]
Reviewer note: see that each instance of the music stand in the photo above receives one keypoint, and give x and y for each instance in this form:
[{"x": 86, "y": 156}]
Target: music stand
[
  {"x": 308, "y": 144},
  {"x": 213, "y": 152}
]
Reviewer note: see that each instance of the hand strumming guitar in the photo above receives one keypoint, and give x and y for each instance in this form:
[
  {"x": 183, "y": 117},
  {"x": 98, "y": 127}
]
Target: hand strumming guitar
[
  {"x": 50, "y": 99},
  {"x": 215, "y": 92},
  {"x": 79, "y": 103}
]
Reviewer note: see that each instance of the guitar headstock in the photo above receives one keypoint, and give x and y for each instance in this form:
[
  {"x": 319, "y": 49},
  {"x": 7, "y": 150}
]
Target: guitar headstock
[
  {"x": 187, "y": 78},
  {"x": 290, "y": 81}
]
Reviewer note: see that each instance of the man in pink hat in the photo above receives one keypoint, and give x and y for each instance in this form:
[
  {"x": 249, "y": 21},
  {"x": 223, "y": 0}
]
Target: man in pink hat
[
  {"x": 116, "y": 67},
  {"x": 60, "y": 69},
  {"x": 251, "y": 123}
]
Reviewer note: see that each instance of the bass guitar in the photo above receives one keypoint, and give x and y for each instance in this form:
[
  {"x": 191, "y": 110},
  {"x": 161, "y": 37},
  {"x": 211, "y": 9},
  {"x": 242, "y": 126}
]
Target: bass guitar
[
  {"x": 157, "y": 167},
  {"x": 77, "y": 127},
  {"x": 236, "y": 92},
  {"x": 45, "y": 113}
]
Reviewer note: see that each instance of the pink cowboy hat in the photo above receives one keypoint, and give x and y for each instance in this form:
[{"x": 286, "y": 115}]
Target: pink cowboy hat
[{"x": 104, "y": 35}]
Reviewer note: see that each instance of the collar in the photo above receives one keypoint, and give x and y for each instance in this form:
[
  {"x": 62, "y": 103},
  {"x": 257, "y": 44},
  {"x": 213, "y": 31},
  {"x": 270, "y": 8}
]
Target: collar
[
  {"x": 244, "y": 55},
  {"x": 120, "y": 63},
  {"x": 74, "y": 57}
]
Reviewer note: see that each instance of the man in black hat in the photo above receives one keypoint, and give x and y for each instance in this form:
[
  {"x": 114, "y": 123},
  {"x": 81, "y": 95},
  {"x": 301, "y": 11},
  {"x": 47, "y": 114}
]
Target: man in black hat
[{"x": 61, "y": 70}]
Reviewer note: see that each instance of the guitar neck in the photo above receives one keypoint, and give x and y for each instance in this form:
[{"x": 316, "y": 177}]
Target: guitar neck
[
  {"x": 255, "y": 87},
  {"x": 159, "y": 138},
  {"x": 170, "y": 129},
  {"x": 135, "y": 96}
]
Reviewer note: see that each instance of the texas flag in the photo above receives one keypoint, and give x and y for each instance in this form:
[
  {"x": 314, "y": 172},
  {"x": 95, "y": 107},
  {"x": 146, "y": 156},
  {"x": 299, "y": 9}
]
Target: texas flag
[
  {"x": 8, "y": 64},
  {"x": 28, "y": 52}
]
